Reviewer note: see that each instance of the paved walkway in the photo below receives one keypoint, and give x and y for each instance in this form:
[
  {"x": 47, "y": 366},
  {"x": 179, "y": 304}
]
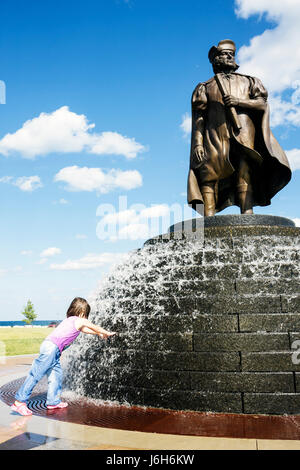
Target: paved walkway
[{"x": 39, "y": 433}]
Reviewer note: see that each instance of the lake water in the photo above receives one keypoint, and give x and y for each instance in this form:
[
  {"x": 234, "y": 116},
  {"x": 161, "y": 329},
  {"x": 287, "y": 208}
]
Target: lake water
[{"x": 21, "y": 323}]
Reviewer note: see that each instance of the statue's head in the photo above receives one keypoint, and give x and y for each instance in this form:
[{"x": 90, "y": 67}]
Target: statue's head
[{"x": 222, "y": 56}]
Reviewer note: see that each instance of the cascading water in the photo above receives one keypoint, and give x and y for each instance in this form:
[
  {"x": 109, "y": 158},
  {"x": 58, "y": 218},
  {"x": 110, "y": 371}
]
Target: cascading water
[
  {"x": 119, "y": 304},
  {"x": 201, "y": 326}
]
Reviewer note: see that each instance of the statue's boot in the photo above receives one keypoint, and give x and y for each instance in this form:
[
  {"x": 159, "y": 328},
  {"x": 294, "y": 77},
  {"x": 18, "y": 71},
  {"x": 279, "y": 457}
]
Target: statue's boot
[
  {"x": 245, "y": 202},
  {"x": 209, "y": 200}
]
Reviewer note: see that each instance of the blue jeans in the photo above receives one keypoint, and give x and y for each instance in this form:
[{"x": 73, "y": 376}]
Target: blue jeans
[{"x": 47, "y": 363}]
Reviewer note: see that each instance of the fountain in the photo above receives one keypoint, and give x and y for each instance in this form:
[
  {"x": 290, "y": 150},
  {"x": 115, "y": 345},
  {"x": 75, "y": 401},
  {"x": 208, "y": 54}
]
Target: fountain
[{"x": 204, "y": 324}]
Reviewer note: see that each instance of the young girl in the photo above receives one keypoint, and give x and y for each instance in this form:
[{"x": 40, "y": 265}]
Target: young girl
[{"x": 48, "y": 361}]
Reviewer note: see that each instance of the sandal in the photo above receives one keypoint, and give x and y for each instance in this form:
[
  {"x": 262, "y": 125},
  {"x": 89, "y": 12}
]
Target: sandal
[
  {"x": 59, "y": 405},
  {"x": 21, "y": 408}
]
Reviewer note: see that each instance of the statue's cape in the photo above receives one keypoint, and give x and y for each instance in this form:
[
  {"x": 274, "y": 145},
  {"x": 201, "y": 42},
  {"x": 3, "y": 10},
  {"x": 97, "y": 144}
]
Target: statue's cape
[{"x": 269, "y": 162}]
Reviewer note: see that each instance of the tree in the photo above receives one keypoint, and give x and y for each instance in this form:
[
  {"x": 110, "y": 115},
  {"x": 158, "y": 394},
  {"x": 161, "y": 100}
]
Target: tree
[{"x": 28, "y": 313}]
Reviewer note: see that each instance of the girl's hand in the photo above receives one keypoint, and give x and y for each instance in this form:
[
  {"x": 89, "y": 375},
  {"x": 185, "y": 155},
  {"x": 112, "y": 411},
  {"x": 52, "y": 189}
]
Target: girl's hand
[{"x": 107, "y": 334}]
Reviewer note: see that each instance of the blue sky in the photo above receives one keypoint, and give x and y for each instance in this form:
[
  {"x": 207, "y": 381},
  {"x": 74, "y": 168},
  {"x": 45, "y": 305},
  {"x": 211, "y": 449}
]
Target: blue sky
[{"x": 98, "y": 108}]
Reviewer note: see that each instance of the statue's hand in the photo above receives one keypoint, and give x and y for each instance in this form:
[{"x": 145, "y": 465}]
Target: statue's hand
[
  {"x": 230, "y": 101},
  {"x": 198, "y": 153}
]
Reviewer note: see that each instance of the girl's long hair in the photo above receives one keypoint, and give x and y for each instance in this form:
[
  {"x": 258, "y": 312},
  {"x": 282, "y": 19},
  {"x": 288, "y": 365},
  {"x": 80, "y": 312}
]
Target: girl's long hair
[{"x": 77, "y": 307}]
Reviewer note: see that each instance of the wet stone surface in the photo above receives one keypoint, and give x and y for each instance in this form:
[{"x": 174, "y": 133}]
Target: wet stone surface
[{"x": 204, "y": 325}]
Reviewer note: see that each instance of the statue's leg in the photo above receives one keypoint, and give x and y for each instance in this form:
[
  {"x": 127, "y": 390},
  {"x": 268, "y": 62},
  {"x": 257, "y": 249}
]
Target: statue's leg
[
  {"x": 209, "y": 199},
  {"x": 244, "y": 188}
]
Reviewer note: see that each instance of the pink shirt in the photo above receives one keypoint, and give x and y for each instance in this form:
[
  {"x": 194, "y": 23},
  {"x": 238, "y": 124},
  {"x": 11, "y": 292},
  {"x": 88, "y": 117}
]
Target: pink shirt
[{"x": 64, "y": 334}]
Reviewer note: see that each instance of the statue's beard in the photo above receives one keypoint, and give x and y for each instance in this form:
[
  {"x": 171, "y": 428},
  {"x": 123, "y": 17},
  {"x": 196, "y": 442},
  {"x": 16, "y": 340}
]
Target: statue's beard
[{"x": 219, "y": 66}]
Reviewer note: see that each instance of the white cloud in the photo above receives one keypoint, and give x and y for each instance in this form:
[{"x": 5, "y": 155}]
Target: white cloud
[
  {"x": 134, "y": 216},
  {"x": 6, "y": 179},
  {"x": 111, "y": 143},
  {"x": 274, "y": 55},
  {"x": 136, "y": 223},
  {"x": 284, "y": 112},
  {"x": 294, "y": 158},
  {"x": 26, "y": 252},
  {"x": 60, "y": 131},
  {"x": 186, "y": 125},
  {"x": 95, "y": 179},
  {"x": 64, "y": 131},
  {"x": 89, "y": 261},
  {"x": 30, "y": 183},
  {"x": 25, "y": 183},
  {"x": 297, "y": 222},
  {"x": 48, "y": 252},
  {"x": 274, "y": 9}
]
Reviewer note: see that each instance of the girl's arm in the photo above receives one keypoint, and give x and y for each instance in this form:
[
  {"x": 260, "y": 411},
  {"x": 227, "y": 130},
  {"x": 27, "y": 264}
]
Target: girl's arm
[
  {"x": 85, "y": 326},
  {"x": 86, "y": 329}
]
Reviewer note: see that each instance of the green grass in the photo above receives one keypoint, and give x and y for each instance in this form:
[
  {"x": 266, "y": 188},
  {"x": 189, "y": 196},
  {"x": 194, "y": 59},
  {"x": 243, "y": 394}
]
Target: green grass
[{"x": 17, "y": 341}]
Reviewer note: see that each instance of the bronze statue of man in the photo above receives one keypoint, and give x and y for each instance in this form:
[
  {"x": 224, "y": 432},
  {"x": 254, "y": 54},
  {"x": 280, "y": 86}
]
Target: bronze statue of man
[{"x": 235, "y": 159}]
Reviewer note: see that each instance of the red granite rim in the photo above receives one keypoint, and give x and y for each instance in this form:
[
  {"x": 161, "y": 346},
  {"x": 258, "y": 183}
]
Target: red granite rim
[{"x": 188, "y": 423}]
